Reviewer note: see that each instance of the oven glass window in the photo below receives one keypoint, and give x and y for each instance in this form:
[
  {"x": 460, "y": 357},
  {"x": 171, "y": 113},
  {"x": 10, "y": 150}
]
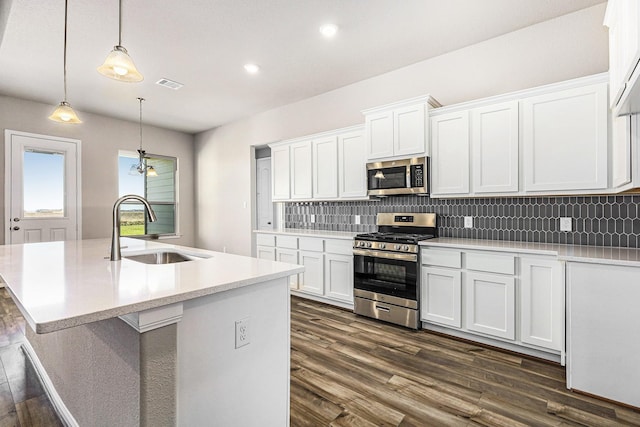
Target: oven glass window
[
  {"x": 386, "y": 276},
  {"x": 385, "y": 178}
]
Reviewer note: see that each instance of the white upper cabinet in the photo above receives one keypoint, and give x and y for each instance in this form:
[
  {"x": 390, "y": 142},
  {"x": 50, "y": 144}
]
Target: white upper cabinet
[
  {"x": 280, "y": 173},
  {"x": 301, "y": 165},
  {"x": 352, "y": 172},
  {"x": 398, "y": 130},
  {"x": 494, "y": 141},
  {"x": 325, "y": 167},
  {"x": 450, "y": 153},
  {"x": 623, "y": 19},
  {"x": 565, "y": 140}
]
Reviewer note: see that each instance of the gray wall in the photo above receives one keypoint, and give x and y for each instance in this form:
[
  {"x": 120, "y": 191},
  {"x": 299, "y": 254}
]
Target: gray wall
[
  {"x": 567, "y": 47},
  {"x": 101, "y": 138}
]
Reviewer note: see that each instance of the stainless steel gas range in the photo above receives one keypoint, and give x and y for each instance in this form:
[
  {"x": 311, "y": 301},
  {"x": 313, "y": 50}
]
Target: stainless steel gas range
[{"x": 387, "y": 267}]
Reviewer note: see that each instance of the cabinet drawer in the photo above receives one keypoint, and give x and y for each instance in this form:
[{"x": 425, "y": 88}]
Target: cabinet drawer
[
  {"x": 340, "y": 247},
  {"x": 492, "y": 263},
  {"x": 290, "y": 242},
  {"x": 441, "y": 258},
  {"x": 265, "y": 239},
  {"x": 311, "y": 244}
]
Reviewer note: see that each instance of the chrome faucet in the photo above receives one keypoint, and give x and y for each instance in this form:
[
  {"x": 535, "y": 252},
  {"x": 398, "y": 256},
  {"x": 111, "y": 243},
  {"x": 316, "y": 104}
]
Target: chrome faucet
[{"x": 115, "y": 233}]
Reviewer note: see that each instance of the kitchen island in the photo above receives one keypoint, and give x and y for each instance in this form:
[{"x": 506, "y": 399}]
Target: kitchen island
[{"x": 130, "y": 343}]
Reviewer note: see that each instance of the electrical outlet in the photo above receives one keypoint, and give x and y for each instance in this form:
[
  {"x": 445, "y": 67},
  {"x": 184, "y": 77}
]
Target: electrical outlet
[
  {"x": 356, "y": 219},
  {"x": 313, "y": 218},
  {"x": 242, "y": 332},
  {"x": 565, "y": 223},
  {"x": 468, "y": 222}
]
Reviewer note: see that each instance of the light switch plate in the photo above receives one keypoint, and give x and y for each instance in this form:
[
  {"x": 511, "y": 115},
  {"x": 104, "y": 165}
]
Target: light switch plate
[
  {"x": 356, "y": 219},
  {"x": 468, "y": 222},
  {"x": 313, "y": 218},
  {"x": 565, "y": 223}
]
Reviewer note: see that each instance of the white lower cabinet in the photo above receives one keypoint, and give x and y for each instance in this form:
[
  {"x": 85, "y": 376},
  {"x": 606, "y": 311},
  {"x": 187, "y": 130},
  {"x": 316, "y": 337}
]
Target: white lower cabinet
[
  {"x": 542, "y": 303},
  {"x": 491, "y": 304},
  {"x": 339, "y": 277},
  {"x": 441, "y": 300},
  {"x": 290, "y": 256},
  {"x": 312, "y": 280},
  {"x": 266, "y": 252}
]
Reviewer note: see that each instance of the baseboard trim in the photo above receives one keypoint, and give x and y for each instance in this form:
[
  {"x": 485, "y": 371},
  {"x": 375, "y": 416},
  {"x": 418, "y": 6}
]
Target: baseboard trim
[{"x": 55, "y": 399}]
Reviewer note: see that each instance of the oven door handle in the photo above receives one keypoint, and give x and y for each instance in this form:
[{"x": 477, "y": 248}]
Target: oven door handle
[{"x": 387, "y": 255}]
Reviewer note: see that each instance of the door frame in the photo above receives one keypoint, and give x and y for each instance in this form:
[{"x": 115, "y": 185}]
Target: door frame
[{"x": 8, "y": 133}]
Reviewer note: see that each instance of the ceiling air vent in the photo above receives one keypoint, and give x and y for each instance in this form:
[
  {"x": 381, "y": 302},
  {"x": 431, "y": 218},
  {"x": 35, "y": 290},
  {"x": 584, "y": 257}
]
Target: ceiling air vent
[{"x": 169, "y": 83}]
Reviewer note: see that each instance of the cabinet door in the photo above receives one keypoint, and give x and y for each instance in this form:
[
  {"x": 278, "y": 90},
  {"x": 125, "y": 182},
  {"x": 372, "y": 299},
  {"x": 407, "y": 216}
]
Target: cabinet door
[
  {"x": 290, "y": 256},
  {"x": 620, "y": 151},
  {"x": 301, "y": 167},
  {"x": 441, "y": 296},
  {"x": 565, "y": 140},
  {"x": 542, "y": 303},
  {"x": 339, "y": 277},
  {"x": 312, "y": 280},
  {"x": 490, "y": 304},
  {"x": 266, "y": 252},
  {"x": 450, "y": 153},
  {"x": 325, "y": 168},
  {"x": 409, "y": 131},
  {"x": 494, "y": 138},
  {"x": 352, "y": 173},
  {"x": 280, "y": 189},
  {"x": 379, "y": 135}
]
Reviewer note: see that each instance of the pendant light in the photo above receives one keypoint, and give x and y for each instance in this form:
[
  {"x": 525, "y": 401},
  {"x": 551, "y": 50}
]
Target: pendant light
[
  {"x": 64, "y": 113},
  {"x": 141, "y": 167},
  {"x": 119, "y": 65}
]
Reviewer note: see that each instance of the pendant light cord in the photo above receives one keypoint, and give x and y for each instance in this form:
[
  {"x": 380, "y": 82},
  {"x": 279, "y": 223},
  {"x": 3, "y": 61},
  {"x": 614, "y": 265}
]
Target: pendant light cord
[
  {"x": 120, "y": 23},
  {"x": 141, "y": 100},
  {"x": 64, "y": 67}
]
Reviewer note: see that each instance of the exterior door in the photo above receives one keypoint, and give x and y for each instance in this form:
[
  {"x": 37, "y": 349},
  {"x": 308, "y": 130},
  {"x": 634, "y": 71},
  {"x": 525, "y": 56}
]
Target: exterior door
[
  {"x": 263, "y": 194},
  {"x": 42, "y": 188}
]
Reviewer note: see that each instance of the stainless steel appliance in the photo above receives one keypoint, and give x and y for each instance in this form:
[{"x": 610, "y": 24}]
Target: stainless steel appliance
[
  {"x": 408, "y": 176},
  {"x": 387, "y": 269}
]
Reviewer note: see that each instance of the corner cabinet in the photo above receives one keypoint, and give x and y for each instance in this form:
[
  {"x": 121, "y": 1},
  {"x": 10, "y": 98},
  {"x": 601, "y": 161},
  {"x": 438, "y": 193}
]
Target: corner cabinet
[
  {"x": 399, "y": 129},
  {"x": 510, "y": 300},
  {"x": 324, "y": 166}
]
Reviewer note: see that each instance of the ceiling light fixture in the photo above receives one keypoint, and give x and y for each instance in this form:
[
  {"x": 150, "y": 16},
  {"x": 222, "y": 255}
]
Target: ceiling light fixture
[
  {"x": 141, "y": 167},
  {"x": 64, "y": 113},
  {"x": 119, "y": 65},
  {"x": 251, "y": 68},
  {"x": 329, "y": 30}
]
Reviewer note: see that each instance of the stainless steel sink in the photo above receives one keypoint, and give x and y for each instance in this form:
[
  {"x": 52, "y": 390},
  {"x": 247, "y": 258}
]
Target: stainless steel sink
[{"x": 163, "y": 257}]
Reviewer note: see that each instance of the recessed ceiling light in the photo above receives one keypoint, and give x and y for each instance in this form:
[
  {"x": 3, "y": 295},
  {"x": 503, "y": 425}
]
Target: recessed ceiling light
[
  {"x": 251, "y": 68},
  {"x": 329, "y": 30}
]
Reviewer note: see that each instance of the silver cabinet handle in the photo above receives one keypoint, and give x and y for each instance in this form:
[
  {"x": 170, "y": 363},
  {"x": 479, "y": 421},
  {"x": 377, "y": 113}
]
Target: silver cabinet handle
[{"x": 16, "y": 219}]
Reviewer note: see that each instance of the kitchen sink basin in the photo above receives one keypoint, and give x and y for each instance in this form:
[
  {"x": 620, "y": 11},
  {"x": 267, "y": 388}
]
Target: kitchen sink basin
[{"x": 163, "y": 257}]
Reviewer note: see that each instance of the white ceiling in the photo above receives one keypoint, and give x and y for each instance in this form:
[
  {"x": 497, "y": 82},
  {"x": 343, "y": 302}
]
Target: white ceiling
[{"x": 205, "y": 43}]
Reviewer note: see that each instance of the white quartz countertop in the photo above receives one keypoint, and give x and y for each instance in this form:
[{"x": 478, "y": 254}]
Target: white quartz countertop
[
  {"x": 572, "y": 253},
  {"x": 346, "y": 235},
  {"x": 58, "y": 285}
]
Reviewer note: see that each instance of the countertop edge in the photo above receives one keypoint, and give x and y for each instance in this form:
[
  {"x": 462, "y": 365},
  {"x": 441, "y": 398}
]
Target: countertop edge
[{"x": 343, "y": 235}]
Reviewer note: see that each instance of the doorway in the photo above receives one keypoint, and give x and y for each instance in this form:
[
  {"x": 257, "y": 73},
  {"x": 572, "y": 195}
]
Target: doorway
[{"x": 42, "y": 188}]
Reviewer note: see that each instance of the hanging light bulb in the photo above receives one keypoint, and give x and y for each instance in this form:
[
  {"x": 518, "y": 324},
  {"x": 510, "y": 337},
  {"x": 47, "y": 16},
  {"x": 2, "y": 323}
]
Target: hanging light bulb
[
  {"x": 141, "y": 167},
  {"x": 119, "y": 65},
  {"x": 380, "y": 175},
  {"x": 64, "y": 113}
]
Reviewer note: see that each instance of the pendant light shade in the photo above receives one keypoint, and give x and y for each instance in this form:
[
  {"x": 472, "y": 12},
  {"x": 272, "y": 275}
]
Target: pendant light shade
[
  {"x": 151, "y": 171},
  {"x": 119, "y": 65},
  {"x": 64, "y": 113}
]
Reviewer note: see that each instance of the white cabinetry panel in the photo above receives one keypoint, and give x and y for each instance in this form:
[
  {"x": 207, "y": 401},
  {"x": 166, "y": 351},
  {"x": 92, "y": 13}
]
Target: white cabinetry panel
[
  {"x": 325, "y": 168},
  {"x": 409, "y": 130},
  {"x": 379, "y": 129},
  {"x": 266, "y": 252},
  {"x": 565, "y": 140},
  {"x": 301, "y": 167},
  {"x": 352, "y": 172},
  {"x": 490, "y": 304},
  {"x": 290, "y": 256},
  {"x": 542, "y": 303},
  {"x": 494, "y": 139},
  {"x": 312, "y": 280},
  {"x": 339, "y": 277},
  {"x": 280, "y": 173},
  {"x": 441, "y": 299},
  {"x": 450, "y": 153}
]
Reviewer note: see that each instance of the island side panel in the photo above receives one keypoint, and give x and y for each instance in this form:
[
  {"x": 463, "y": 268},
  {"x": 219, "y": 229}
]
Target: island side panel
[
  {"x": 221, "y": 385},
  {"x": 95, "y": 369}
]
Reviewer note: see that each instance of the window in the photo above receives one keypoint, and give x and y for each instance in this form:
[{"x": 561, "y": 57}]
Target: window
[{"x": 160, "y": 192}]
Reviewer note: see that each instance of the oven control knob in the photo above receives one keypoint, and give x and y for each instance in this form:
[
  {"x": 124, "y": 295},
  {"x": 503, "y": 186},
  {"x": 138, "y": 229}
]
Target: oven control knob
[
  {"x": 382, "y": 246},
  {"x": 405, "y": 248},
  {"x": 368, "y": 244},
  {"x": 397, "y": 247}
]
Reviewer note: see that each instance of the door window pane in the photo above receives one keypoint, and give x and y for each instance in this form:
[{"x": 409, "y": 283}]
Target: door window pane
[{"x": 43, "y": 182}]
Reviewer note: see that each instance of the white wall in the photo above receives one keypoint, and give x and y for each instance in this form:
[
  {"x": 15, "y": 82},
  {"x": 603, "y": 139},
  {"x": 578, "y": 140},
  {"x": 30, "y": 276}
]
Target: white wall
[
  {"x": 101, "y": 138},
  {"x": 567, "y": 47}
]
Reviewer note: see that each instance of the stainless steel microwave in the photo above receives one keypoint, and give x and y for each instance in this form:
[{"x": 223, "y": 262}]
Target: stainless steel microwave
[{"x": 406, "y": 176}]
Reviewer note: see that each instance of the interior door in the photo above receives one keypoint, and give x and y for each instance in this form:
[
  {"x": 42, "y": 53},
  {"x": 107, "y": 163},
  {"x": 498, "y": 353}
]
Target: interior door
[
  {"x": 263, "y": 194},
  {"x": 42, "y": 188}
]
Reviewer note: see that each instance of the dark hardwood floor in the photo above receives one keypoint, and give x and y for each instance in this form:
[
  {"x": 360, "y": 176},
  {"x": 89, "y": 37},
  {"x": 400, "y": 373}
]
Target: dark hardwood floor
[
  {"x": 23, "y": 402},
  {"x": 347, "y": 370}
]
